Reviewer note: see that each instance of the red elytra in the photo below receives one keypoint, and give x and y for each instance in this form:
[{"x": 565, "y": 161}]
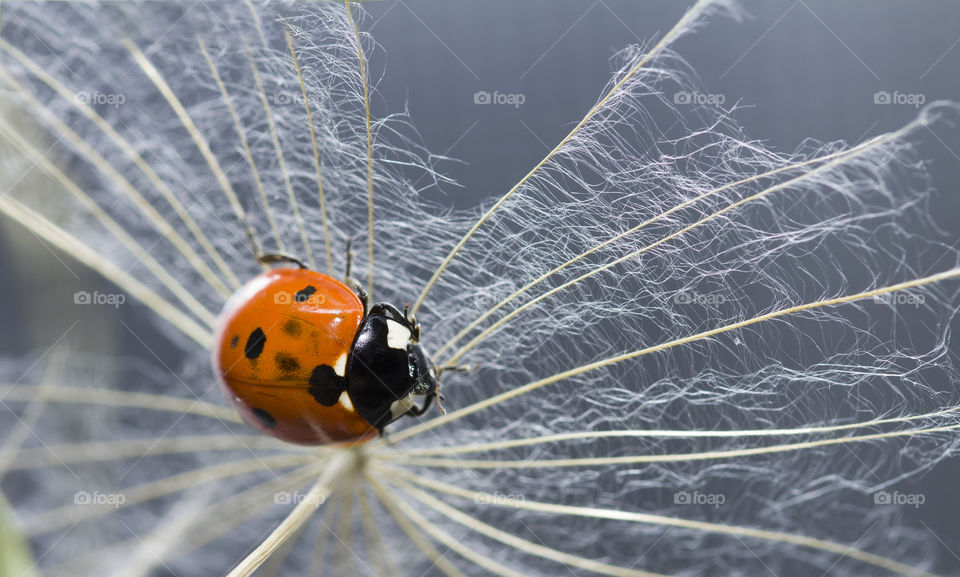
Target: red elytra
[{"x": 275, "y": 335}]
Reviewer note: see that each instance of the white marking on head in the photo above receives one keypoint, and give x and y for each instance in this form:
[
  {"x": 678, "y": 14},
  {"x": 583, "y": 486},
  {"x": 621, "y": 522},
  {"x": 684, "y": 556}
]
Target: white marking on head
[
  {"x": 345, "y": 401},
  {"x": 340, "y": 367},
  {"x": 402, "y": 406},
  {"x": 398, "y": 336}
]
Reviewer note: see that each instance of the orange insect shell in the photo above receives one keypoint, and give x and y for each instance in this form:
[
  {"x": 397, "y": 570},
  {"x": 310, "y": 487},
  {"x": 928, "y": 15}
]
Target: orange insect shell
[{"x": 273, "y": 333}]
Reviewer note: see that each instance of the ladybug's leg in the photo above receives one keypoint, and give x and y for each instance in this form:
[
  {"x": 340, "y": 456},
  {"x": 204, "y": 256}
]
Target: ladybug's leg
[
  {"x": 416, "y": 411},
  {"x": 361, "y": 292},
  {"x": 412, "y": 323},
  {"x": 279, "y": 257},
  {"x": 346, "y": 273},
  {"x": 352, "y": 282},
  {"x": 454, "y": 369}
]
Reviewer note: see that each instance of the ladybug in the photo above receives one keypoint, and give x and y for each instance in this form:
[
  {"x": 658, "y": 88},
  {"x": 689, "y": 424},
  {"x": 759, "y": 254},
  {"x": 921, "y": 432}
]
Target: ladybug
[{"x": 304, "y": 360}]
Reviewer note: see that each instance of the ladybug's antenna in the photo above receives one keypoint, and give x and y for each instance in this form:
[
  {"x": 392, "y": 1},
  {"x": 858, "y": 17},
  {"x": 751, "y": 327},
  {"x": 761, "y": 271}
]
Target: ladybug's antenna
[
  {"x": 278, "y": 258},
  {"x": 412, "y": 323},
  {"x": 440, "y": 398},
  {"x": 346, "y": 273}
]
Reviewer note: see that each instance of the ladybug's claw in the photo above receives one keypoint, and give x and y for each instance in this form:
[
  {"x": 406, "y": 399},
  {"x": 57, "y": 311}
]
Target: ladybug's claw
[
  {"x": 417, "y": 411},
  {"x": 279, "y": 257},
  {"x": 361, "y": 292},
  {"x": 412, "y": 323}
]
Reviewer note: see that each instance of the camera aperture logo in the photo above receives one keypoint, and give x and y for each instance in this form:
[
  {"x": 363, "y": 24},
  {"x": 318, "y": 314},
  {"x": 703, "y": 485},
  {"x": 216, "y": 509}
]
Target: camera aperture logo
[
  {"x": 699, "y": 98},
  {"x": 900, "y": 298},
  {"x": 115, "y": 500},
  {"x": 98, "y": 298},
  {"x": 898, "y": 498},
  {"x": 495, "y": 97},
  {"x": 296, "y": 497},
  {"x": 697, "y": 498},
  {"x": 307, "y": 297},
  {"x": 114, "y": 99},
  {"x": 915, "y": 99},
  {"x": 497, "y": 498},
  {"x": 294, "y": 98},
  {"x": 688, "y": 297}
]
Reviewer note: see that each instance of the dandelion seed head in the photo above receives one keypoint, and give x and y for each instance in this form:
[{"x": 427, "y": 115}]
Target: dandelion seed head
[{"x": 691, "y": 428}]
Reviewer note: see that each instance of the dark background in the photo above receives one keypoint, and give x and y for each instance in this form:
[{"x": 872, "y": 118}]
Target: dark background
[
  {"x": 804, "y": 69},
  {"x": 797, "y": 69}
]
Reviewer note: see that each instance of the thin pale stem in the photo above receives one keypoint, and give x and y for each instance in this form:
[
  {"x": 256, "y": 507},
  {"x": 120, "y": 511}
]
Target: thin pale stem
[
  {"x": 517, "y": 543},
  {"x": 72, "y": 246},
  {"x": 382, "y": 557},
  {"x": 666, "y": 458},
  {"x": 326, "y": 535},
  {"x": 366, "y": 107},
  {"x": 389, "y": 502},
  {"x": 115, "y": 228},
  {"x": 336, "y": 467},
  {"x": 241, "y": 134},
  {"x": 119, "y": 398},
  {"x": 182, "y": 213},
  {"x": 454, "y": 544},
  {"x": 68, "y": 515},
  {"x": 346, "y": 553},
  {"x": 840, "y": 549},
  {"x": 123, "y": 184},
  {"x": 207, "y": 524},
  {"x": 710, "y": 217},
  {"x": 199, "y": 141},
  {"x": 102, "y": 451},
  {"x": 680, "y": 26},
  {"x": 516, "y": 392},
  {"x": 144, "y": 554},
  {"x": 10, "y": 449},
  {"x": 282, "y": 160},
  {"x": 316, "y": 154},
  {"x": 681, "y": 434},
  {"x": 223, "y": 517},
  {"x": 526, "y": 288},
  {"x": 273, "y": 565}
]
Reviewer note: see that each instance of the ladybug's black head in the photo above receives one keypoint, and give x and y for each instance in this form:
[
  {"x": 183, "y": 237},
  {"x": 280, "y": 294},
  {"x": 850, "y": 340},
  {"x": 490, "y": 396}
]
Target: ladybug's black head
[{"x": 387, "y": 370}]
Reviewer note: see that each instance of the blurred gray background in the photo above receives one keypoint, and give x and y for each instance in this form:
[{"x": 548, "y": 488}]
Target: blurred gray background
[
  {"x": 798, "y": 69},
  {"x": 804, "y": 69}
]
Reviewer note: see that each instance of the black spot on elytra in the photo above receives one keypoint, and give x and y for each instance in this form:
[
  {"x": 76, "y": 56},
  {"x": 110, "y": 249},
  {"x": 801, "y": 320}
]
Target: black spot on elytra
[
  {"x": 305, "y": 294},
  {"x": 288, "y": 365},
  {"x": 326, "y": 385},
  {"x": 292, "y": 327},
  {"x": 265, "y": 418},
  {"x": 255, "y": 343},
  {"x": 234, "y": 341}
]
